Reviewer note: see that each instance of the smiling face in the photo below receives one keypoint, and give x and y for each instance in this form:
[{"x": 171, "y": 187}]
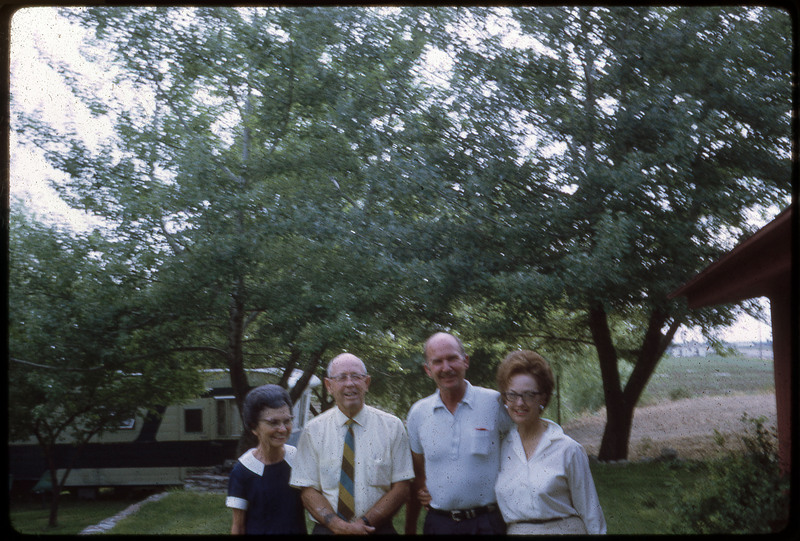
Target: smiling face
[
  {"x": 524, "y": 408},
  {"x": 348, "y": 383},
  {"x": 274, "y": 427},
  {"x": 446, "y": 363}
]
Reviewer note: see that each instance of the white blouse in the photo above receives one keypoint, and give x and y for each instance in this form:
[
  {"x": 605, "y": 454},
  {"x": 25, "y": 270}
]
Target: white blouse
[{"x": 555, "y": 483}]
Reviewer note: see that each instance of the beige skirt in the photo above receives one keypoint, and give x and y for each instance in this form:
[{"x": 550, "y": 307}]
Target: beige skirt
[{"x": 566, "y": 526}]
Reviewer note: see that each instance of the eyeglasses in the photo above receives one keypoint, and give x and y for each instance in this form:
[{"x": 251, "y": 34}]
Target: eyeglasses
[
  {"x": 353, "y": 377},
  {"x": 528, "y": 396},
  {"x": 276, "y": 423}
]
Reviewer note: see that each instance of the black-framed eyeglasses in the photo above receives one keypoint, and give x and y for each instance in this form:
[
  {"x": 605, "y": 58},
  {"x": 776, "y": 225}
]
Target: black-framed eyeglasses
[
  {"x": 527, "y": 396},
  {"x": 344, "y": 377}
]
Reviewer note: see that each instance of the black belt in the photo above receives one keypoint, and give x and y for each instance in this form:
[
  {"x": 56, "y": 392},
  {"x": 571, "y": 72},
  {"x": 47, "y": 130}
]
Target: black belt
[
  {"x": 537, "y": 520},
  {"x": 464, "y": 514}
]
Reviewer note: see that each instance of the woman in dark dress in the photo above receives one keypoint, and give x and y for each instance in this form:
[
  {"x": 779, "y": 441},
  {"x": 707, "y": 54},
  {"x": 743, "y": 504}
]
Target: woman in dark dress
[{"x": 258, "y": 490}]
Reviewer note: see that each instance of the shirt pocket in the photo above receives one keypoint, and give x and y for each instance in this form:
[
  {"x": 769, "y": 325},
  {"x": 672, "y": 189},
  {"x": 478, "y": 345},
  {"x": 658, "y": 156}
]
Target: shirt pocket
[
  {"x": 379, "y": 471},
  {"x": 480, "y": 442}
]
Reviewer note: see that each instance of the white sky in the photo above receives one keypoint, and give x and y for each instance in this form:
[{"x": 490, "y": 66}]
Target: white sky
[{"x": 35, "y": 86}]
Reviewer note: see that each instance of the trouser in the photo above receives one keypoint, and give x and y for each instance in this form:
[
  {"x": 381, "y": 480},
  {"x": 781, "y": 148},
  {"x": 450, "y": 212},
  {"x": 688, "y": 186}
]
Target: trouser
[{"x": 489, "y": 523}]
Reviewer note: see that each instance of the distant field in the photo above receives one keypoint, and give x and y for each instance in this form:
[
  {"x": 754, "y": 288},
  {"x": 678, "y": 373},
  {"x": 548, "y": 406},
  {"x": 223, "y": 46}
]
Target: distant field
[{"x": 684, "y": 377}]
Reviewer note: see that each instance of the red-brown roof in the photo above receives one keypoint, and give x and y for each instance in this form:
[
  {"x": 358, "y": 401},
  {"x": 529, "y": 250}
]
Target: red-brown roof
[{"x": 759, "y": 266}]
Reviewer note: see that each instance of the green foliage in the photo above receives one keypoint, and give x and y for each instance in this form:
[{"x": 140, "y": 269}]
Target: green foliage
[
  {"x": 679, "y": 393},
  {"x": 745, "y": 493},
  {"x": 289, "y": 183},
  {"x": 78, "y": 361},
  {"x": 581, "y": 386}
]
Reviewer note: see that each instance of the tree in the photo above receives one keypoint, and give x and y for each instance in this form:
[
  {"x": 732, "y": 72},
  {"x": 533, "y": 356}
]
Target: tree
[
  {"x": 656, "y": 130},
  {"x": 293, "y": 185},
  {"x": 76, "y": 367},
  {"x": 248, "y": 172}
]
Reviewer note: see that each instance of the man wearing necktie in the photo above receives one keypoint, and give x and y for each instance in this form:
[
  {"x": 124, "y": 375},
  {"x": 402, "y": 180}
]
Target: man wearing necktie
[{"x": 353, "y": 461}]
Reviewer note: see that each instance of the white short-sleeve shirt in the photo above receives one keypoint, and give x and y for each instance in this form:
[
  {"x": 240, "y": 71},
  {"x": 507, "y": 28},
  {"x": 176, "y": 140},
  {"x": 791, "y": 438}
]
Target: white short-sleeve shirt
[
  {"x": 462, "y": 450},
  {"x": 554, "y": 483},
  {"x": 382, "y": 455}
]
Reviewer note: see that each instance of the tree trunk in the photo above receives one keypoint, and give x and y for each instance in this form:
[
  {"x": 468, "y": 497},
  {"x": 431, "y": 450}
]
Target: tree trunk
[
  {"x": 308, "y": 372},
  {"x": 621, "y": 404},
  {"x": 617, "y": 432},
  {"x": 235, "y": 360},
  {"x": 55, "y": 489}
]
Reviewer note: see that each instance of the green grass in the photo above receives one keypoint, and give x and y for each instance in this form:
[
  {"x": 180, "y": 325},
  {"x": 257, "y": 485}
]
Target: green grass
[
  {"x": 181, "y": 512},
  {"x": 685, "y": 377},
  {"x": 31, "y": 516},
  {"x": 635, "y": 499}
]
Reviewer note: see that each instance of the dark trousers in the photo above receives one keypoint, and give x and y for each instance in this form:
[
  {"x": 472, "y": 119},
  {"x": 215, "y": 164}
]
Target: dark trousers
[{"x": 490, "y": 523}]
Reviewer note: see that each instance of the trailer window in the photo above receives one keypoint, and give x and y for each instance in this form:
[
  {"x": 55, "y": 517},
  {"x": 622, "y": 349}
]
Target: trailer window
[{"x": 193, "y": 420}]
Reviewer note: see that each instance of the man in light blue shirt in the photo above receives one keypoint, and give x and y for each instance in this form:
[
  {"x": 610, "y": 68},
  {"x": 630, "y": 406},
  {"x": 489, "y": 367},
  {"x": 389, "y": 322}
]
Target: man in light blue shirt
[{"x": 455, "y": 438}]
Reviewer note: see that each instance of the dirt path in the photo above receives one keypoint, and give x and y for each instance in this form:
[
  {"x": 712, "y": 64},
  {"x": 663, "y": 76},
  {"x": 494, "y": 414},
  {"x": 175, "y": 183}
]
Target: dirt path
[{"x": 686, "y": 426}]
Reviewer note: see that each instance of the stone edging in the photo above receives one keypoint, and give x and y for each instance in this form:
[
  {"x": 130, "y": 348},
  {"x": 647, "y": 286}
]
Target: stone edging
[{"x": 109, "y": 523}]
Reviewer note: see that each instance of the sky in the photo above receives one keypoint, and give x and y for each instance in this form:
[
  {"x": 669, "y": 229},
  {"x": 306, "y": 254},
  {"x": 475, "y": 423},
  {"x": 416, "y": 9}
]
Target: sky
[{"x": 35, "y": 86}]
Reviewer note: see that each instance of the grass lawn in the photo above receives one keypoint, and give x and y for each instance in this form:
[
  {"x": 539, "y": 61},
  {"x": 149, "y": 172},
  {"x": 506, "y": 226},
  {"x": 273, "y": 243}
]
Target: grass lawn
[
  {"x": 635, "y": 498},
  {"x": 30, "y": 516},
  {"x": 684, "y": 377}
]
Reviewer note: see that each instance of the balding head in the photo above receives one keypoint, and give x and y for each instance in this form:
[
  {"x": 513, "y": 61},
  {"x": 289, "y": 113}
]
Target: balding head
[{"x": 348, "y": 383}]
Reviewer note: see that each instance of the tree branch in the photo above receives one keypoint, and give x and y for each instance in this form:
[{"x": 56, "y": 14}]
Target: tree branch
[{"x": 59, "y": 368}]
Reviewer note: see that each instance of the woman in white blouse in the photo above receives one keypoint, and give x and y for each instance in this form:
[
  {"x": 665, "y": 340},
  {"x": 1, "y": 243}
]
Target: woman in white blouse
[{"x": 545, "y": 485}]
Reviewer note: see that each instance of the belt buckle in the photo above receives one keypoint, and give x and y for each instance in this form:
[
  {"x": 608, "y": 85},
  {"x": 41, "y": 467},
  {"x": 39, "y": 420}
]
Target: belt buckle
[{"x": 463, "y": 514}]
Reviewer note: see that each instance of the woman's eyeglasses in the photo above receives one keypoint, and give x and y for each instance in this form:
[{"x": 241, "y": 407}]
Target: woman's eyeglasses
[{"x": 527, "y": 396}]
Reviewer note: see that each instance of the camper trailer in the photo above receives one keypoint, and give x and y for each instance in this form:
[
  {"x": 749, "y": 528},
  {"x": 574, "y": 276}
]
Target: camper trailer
[{"x": 159, "y": 449}]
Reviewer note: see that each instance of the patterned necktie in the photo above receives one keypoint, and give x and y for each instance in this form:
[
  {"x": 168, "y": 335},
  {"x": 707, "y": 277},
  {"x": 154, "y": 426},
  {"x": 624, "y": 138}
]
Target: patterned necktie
[{"x": 347, "y": 506}]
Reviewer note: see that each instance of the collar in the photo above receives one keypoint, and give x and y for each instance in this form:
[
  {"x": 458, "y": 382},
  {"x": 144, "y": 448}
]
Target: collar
[
  {"x": 468, "y": 398},
  {"x": 250, "y": 462},
  {"x": 359, "y": 417},
  {"x": 253, "y": 464},
  {"x": 552, "y": 433}
]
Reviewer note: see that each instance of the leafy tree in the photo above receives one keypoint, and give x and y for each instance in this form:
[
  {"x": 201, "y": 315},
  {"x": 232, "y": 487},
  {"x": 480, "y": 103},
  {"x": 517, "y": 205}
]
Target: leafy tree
[
  {"x": 250, "y": 173},
  {"x": 293, "y": 186},
  {"x": 653, "y": 132},
  {"x": 77, "y": 367}
]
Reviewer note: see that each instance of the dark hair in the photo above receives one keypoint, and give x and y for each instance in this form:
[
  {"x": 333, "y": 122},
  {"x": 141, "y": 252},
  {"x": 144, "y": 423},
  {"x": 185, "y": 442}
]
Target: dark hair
[
  {"x": 266, "y": 396},
  {"x": 526, "y": 362}
]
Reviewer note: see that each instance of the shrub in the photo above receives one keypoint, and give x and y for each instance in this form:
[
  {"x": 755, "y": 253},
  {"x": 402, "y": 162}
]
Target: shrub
[
  {"x": 743, "y": 493},
  {"x": 679, "y": 393}
]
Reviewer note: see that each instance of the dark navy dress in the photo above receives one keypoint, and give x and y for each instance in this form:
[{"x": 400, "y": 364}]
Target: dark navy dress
[{"x": 263, "y": 491}]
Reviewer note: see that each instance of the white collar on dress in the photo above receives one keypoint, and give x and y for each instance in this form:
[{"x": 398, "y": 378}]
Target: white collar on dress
[{"x": 253, "y": 464}]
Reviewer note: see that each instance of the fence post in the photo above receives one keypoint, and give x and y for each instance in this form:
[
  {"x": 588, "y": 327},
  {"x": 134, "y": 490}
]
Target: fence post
[{"x": 558, "y": 395}]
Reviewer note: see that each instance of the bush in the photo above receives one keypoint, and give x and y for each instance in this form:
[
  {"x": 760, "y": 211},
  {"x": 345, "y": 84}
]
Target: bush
[
  {"x": 679, "y": 393},
  {"x": 744, "y": 492}
]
